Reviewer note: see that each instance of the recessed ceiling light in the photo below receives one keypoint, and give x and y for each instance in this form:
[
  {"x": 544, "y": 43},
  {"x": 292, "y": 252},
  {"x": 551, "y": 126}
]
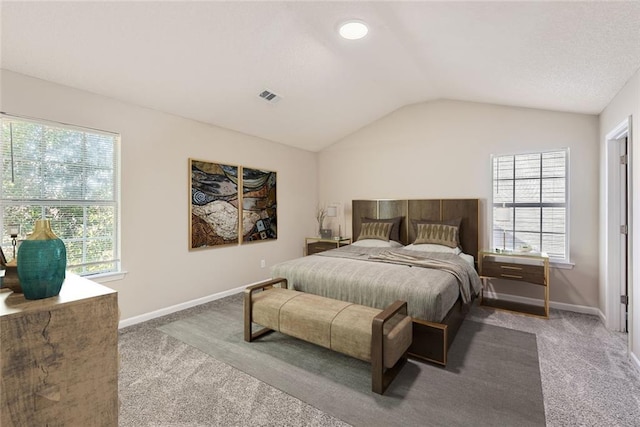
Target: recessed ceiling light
[{"x": 353, "y": 30}]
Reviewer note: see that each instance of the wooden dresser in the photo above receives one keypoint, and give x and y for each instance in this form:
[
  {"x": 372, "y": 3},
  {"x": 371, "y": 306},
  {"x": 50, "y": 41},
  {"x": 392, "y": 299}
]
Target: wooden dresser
[{"x": 59, "y": 357}]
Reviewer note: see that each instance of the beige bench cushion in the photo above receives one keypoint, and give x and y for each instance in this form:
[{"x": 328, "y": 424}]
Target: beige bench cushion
[
  {"x": 351, "y": 331},
  {"x": 309, "y": 317},
  {"x": 398, "y": 336},
  {"x": 351, "y": 334},
  {"x": 267, "y": 304},
  {"x": 341, "y": 326}
]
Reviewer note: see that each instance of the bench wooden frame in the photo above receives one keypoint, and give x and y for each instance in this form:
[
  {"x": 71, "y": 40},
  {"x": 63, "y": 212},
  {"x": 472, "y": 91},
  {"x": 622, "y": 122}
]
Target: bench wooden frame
[{"x": 380, "y": 377}]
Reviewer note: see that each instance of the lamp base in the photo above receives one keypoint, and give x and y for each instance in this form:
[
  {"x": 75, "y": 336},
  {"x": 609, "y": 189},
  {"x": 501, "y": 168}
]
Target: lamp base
[{"x": 326, "y": 233}]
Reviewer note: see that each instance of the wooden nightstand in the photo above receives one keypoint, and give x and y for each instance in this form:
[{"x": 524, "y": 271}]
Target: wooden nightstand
[
  {"x": 313, "y": 245},
  {"x": 519, "y": 266}
]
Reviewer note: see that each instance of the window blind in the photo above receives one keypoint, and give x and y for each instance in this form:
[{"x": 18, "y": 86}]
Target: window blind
[
  {"x": 530, "y": 202},
  {"x": 68, "y": 175}
]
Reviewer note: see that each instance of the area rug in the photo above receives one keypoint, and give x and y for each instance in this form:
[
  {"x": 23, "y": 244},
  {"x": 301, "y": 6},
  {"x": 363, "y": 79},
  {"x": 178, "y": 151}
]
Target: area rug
[{"x": 492, "y": 376}]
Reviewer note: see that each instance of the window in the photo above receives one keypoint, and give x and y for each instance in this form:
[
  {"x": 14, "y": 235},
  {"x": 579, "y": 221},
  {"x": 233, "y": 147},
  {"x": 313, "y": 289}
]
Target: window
[
  {"x": 530, "y": 194},
  {"x": 68, "y": 175}
]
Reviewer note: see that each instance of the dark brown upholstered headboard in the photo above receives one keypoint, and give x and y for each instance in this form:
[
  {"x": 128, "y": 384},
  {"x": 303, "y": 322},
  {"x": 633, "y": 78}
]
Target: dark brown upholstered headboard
[{"x": 428, "y": 209}]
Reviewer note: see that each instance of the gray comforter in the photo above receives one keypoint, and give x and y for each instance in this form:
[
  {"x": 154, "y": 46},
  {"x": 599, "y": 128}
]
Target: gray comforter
[{"x": 429, "y": 282}]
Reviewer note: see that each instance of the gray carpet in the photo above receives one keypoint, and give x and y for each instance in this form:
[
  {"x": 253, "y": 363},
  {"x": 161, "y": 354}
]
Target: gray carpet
[{"x": 492, "y": 377}]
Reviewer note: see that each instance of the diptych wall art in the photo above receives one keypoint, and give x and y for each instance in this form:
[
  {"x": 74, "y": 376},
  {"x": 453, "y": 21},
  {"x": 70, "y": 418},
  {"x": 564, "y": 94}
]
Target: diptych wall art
[
  {"x": 221, "y": 196},
  {"x": 214, "y": 204},
  {"x": 259, "y": 219}
]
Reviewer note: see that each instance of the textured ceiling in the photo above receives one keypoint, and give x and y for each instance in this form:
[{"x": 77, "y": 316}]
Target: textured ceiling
[{"x": 209, "y": 60}]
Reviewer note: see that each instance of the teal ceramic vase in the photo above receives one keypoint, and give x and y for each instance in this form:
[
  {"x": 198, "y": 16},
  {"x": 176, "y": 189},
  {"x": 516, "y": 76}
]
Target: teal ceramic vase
[{"x": 42, "y": 262}]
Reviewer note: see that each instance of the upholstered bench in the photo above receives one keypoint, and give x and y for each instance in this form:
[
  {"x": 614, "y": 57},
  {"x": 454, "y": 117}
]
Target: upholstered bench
[{"x": 381, "y": 337}]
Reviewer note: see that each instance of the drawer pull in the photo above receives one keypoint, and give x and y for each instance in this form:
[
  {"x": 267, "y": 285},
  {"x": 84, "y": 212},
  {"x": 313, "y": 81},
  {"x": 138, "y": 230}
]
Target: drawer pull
[
  {"x": 511, "y": 276},
  {"x": 508, "y": 267}
]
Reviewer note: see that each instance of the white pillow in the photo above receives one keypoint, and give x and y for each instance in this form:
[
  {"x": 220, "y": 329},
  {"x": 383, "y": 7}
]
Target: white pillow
[
  {"x": 468, "y": 258},
  {"x": 430, "y": 247},
  {"x": 376, "y": 243}
]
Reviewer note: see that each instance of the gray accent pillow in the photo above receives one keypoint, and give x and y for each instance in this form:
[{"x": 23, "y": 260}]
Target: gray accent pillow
[
  {"x": 375, "y": 230},
  {"x": 438, "y": 234},
  {"x": 455, "y": 221},
  {"x": 395, "y": 229}
]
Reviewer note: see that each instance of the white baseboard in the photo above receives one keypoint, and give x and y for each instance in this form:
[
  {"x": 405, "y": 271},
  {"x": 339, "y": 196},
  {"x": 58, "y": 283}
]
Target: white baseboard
[
  {"x": 188, "y": 304},
  {"x": 178, "y": 307},
  {"x": 635, "y": 362},
  {"x": 557, "y": 305}
]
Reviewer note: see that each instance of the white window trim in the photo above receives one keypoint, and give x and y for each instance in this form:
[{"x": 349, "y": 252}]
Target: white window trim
[
  {"x": 564, "y": 264},
  {"x": 107, "y": 277}
]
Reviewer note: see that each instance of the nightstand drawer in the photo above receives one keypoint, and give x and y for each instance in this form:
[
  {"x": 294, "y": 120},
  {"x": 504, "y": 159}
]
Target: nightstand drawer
[
  {"x": 315, "y": 247},
  {"x": 514, "y": 271}
]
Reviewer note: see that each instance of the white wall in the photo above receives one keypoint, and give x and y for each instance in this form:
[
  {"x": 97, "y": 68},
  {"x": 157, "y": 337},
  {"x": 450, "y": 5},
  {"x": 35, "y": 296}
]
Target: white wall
[
  {"x": 162, "y": 272},
  {"x": 626, "y": 103},
  {"x": 442, "y": 150}
]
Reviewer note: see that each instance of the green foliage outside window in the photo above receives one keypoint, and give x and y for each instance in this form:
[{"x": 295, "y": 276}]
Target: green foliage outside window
[{"x": 69, "y": 176}]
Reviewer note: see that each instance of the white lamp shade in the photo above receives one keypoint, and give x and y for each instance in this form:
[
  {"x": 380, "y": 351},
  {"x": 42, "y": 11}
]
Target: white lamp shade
[{"x": 14, "y": 230}]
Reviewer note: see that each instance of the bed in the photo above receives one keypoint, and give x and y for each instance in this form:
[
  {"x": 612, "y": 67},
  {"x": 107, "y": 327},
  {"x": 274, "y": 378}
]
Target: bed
[{"x": 438, "y": 286}]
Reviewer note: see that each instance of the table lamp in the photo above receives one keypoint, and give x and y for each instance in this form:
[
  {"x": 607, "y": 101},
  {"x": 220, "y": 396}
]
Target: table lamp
[{"x": 14, "y": 231}]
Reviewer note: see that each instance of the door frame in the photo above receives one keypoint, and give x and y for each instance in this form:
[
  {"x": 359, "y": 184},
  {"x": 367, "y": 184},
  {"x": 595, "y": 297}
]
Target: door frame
[{"x": 613, "y": 238}]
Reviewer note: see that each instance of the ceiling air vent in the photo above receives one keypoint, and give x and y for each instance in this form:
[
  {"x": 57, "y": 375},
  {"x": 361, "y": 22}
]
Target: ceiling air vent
[{"x": 269, "y": 96}]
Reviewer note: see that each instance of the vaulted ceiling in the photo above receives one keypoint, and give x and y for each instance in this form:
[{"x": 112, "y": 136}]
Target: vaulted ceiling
[{"x": 208, "y": 61}]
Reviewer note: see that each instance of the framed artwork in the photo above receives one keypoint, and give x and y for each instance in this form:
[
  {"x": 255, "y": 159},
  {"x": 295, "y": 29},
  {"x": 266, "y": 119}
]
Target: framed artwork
[
  {"x": 214, "y": 207},
  {"x": 259, "y": 205}
]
